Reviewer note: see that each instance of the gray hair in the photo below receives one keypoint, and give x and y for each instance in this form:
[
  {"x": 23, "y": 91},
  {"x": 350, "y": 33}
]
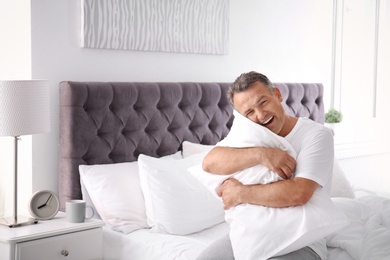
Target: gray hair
[{"x": 245, "y": 80}]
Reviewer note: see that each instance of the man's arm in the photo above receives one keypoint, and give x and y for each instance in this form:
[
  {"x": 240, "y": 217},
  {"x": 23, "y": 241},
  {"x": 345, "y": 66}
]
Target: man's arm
[
  {"x": 292, "y": 192},
  {"x": 227, "y": 160},
  {"x": 314, "y": 167}
]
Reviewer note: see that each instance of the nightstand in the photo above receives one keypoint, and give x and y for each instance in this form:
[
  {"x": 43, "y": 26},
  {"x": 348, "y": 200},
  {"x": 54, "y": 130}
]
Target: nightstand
[{"x": 53, "y": 239}]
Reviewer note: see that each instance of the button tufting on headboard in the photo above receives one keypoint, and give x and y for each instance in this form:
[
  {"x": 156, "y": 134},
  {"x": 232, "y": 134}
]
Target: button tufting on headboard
[{"x": 110, "y": 122}]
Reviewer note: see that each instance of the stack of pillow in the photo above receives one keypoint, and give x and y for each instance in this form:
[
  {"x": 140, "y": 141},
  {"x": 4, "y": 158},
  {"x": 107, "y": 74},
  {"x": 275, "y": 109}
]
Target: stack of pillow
[{"x": 160, "y": 194}]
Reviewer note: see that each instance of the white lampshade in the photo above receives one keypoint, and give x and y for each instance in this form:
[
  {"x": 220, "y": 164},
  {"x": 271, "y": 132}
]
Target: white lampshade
[{"x": 24, "y": 107}]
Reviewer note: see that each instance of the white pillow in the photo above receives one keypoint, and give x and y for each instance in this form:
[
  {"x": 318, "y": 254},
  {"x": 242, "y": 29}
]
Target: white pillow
[
  {"x": 194, "y": 148},
  {"x": 341, "y": 187},
  {"x": 176, "y": 203},
  {"x": 115, "y": 193},
  {"x": 85, "y": 196},
  {"x": 174, "y": 156}
]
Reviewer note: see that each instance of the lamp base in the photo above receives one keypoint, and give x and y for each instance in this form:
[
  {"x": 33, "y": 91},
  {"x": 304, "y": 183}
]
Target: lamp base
[{"x": 17, "y": 221}]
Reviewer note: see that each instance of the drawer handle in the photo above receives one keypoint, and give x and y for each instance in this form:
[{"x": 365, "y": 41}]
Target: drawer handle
[{"x": 65, "y": 253}]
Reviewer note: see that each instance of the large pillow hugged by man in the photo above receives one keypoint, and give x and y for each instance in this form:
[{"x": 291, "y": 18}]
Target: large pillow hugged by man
[{"x": 258, "y": 232}]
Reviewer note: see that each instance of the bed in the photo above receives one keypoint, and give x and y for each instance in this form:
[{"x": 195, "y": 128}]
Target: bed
[{"x": 125, "y": 148}]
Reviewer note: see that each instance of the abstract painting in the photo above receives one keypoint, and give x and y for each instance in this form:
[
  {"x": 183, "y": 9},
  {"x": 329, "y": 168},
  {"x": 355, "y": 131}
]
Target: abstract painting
[{"x": 187, "y": 26}]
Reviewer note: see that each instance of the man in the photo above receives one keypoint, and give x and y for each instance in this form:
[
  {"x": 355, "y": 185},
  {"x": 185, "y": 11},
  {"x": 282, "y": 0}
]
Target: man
[{"x": 254, "y": 96}]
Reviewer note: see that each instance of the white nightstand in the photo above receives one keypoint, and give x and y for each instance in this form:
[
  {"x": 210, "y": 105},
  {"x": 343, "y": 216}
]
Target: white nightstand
[{"x": 53, "y": 239}]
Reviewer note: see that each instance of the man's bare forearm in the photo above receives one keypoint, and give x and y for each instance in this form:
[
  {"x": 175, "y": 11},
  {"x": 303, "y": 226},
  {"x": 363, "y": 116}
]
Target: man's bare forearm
[
  {"x": 228, "y": 160},
  {"x": 293, "y": 192},
  {"x": 286, "y": 193}
]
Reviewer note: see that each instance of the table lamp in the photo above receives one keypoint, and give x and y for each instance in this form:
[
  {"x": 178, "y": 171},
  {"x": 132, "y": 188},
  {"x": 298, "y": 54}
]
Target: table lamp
[{"x": 24, "y": 110}]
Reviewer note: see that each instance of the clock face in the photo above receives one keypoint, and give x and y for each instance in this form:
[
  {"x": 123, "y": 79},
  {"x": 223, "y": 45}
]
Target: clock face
[{"x": 44, "y": 204}]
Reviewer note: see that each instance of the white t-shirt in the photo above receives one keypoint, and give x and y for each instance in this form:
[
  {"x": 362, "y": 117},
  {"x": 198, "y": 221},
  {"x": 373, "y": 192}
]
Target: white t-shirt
[{"x": 314, "y": 145}]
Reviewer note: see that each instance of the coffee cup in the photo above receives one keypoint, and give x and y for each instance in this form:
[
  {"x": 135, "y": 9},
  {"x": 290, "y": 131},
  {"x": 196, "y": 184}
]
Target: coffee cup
[{"x": 76, "y": 211}]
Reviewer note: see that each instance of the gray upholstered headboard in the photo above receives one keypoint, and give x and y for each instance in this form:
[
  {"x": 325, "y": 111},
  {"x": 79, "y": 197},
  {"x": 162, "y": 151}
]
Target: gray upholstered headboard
[{"x": 111, "y": 122}]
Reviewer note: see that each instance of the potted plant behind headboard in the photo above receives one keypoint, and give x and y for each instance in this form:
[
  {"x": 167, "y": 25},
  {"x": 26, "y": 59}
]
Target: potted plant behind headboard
[{"x": 333, "y": 117}]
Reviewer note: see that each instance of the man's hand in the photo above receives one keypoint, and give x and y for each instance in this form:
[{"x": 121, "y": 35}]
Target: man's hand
[
  {"x": 279, "y": 162},
  {"x": 230, "y": 191}
]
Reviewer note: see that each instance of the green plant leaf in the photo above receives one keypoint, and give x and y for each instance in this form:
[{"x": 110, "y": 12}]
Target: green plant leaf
[{"x": 333, "y": 116}]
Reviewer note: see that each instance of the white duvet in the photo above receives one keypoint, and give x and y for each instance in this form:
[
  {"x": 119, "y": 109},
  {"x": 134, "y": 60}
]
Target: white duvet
[
  {"x": 367, "y": 237},
  {"x": 258, "y": 232},
  {"x": 368, "y": 234}
]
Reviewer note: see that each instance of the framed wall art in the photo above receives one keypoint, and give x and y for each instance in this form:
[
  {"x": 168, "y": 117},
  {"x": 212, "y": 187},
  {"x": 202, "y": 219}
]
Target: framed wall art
[{"x": 187, "y": 26}]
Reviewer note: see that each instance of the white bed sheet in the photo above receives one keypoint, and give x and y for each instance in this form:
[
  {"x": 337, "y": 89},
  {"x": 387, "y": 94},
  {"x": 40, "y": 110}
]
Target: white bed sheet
[
  {"x": 368, "y": 237},
  {"x": 145, "y": 245}
]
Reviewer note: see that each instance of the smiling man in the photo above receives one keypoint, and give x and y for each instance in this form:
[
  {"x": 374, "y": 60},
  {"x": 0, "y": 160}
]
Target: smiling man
[{"x": 254, "y": 96}]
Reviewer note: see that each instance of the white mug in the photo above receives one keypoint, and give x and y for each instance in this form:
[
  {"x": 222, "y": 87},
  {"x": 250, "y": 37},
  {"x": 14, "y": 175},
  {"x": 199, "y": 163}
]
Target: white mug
[{"x": 76, "y": 211}]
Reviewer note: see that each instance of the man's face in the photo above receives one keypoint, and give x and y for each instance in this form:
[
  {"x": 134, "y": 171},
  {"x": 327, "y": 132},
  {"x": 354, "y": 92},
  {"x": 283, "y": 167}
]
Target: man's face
[{"x": 262, "y": 106}]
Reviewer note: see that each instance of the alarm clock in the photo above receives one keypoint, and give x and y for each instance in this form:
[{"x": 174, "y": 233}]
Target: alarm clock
[{"x": 44, "y": 205}]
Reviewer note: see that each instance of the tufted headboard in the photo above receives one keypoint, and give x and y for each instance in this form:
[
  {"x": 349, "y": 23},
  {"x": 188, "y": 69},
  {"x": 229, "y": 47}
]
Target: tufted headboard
[{"x": 111, "y": 122}]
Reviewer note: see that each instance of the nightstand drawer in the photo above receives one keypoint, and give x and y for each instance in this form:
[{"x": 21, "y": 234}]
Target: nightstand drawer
[{"x": 85, "y": 244}]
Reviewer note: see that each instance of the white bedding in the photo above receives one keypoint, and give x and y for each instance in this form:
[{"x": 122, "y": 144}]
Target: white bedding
[
  {"x": 368, "y": 234},
  {"x": 367, "y": 237},
  {"x": 145, "y": 245}
]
